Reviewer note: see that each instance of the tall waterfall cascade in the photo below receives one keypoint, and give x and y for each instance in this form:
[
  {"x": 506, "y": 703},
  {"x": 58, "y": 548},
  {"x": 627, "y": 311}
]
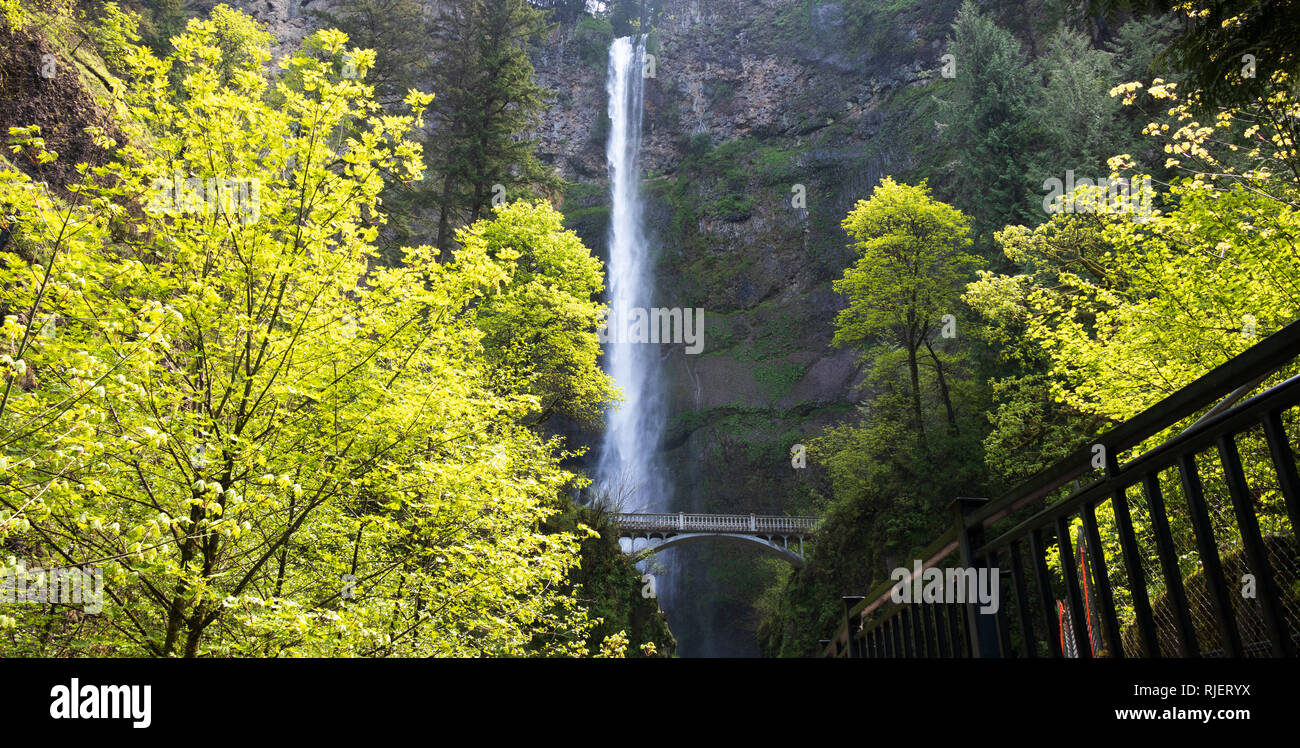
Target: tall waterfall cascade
[{"x": 627, "y": 471}]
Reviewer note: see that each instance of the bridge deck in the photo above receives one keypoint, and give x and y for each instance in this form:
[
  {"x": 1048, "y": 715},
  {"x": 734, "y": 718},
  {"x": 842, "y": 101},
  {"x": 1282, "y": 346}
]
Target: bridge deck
[{"x": 745, "y": 524}]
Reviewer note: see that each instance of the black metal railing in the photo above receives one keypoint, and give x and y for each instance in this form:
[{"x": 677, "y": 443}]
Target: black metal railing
[{"x": 1200, "y": 557}]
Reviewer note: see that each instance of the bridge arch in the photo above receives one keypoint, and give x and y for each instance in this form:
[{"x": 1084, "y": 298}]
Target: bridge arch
[
  {"x": 681, "y": 528},
  {"x": 765, "y": 544}
]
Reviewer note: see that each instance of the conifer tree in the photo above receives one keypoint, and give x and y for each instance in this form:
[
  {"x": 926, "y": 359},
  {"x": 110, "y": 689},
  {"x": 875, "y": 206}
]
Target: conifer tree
[
  {"x": 487, "y": 103},
  {"x": 991, "y": 122}
]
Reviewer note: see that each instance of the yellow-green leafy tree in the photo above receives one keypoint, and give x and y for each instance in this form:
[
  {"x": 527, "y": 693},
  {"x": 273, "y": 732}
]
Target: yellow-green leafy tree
[
  {"x": 270, "y": 443},
  {"x": 1122, "y": 306},
  {"x": 912, "y": 263},
  {"x": 538, "y": 328}
]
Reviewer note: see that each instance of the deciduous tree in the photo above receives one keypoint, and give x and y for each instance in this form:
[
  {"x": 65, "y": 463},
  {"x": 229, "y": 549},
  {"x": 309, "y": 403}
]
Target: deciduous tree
[
  {"x": 911, "y": 264},
  {"x": 270, "y": 444}
]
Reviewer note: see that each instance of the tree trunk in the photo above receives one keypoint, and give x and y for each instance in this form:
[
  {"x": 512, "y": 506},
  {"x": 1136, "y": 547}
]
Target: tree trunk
[
  {"x": 916, "y": 391},
  {"x": 943, "y": 389},
  {"x": 176, "y": 609},
  {"x": 196, "y": 625},
  {"x": 444, "y": 224}
]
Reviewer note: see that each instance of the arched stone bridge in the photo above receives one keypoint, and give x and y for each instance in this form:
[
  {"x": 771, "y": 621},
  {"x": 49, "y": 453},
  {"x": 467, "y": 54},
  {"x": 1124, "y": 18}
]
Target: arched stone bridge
[{"x": 676, "y": 529}]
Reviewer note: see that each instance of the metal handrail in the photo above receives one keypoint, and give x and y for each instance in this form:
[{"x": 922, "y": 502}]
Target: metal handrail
[
  {"x": 1227, "y": 380},
  {"x": 723, "y": 523}
]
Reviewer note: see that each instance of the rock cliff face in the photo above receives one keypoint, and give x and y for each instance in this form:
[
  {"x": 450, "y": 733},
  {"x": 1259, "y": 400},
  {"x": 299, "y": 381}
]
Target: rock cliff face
[
  {"x": 765, "y": 121},
  {"x": 289, "y": 20}
]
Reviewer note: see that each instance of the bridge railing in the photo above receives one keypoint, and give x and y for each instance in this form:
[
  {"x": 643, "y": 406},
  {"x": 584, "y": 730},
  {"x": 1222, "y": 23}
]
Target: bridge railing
[
  {"x": 724, "y": 523},
  {"x": 1201, "y": 556}
]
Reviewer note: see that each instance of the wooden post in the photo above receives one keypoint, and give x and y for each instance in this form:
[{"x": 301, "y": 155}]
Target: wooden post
[{"x": 982, "y": 629}]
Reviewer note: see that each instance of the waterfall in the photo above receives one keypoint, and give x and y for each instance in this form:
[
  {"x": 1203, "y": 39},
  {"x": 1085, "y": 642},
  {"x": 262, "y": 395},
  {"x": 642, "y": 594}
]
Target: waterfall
[{"x": 628, "y": 470}]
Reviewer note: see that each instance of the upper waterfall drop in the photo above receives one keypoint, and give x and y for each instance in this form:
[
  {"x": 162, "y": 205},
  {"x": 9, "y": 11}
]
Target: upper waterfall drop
[{"x": 627, "y": 470}]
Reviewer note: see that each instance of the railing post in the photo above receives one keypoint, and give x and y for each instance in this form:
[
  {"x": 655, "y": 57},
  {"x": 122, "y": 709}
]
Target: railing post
[
  {"x": 851, "y": 645},
  {"x": 681, "y": 520},
  {"x": 753, "y": 524},
  {"x": 981, "y": 628}
]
